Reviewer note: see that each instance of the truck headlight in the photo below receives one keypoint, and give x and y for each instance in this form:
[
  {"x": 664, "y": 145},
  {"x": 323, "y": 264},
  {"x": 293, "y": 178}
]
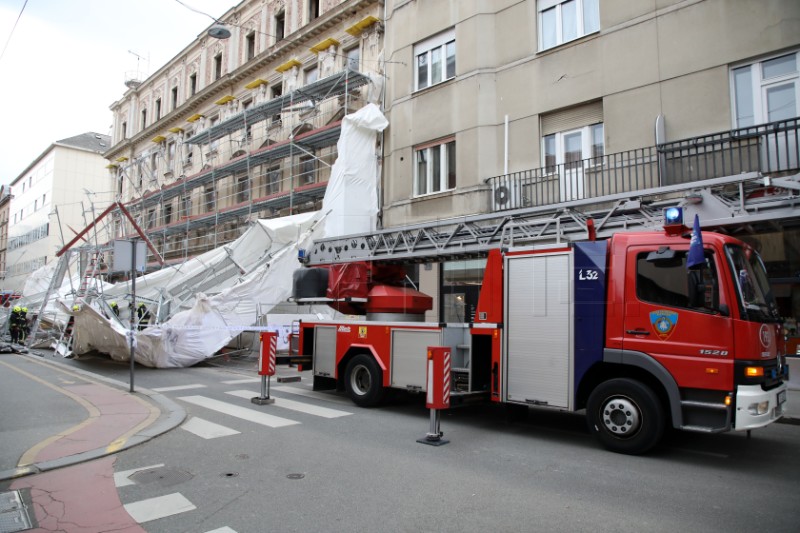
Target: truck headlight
[{"x": 760, "y": 408}]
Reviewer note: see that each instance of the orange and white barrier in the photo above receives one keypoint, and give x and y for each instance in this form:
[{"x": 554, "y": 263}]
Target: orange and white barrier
[
  {"x": 438, "y": 391},
  {"x": 266, "y": 365}
]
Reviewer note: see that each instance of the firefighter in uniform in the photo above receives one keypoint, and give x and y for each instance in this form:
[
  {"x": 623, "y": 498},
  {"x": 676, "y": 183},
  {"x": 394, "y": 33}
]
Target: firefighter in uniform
[
  {"x": 14, "y": 323},
  {"x": 115, "y": 308},
  {"x": 144, "y": 316},
  {"x": 23, "y": 325}
]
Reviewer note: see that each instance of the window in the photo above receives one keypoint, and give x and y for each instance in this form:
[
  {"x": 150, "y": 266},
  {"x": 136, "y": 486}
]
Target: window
[
  {"x": 277, "y": 91},
  {"x": 208, "y": 195},
  {"x": 250, "y": 46},
  {"x": 170, "y": 154},
  {"x": 313, "y": 9},
  {"x": 311, "y": 75},
  {"x": 280, "y": 26},
  {"x": 193, "y": 84},
  {"x": 213, "y": 145},
  {"x": 571, "y": 147},
  {"x": 572, "y": 141},
  {"x": 124, "y": 130},
  {"x": 167, "y": 214},
  {"x": 308, "y": 170},
  {"x": 144, "y": 119},
  {"x": 666, "y": 282},
  {"x": 242, "y": 188},
  {"x": 154, "y": 162},
  {"x": 435, "y": 59},
  {"x": 561, "y": 21},
  {"x": 353, "y": 58},
  {"x": 158, "y": 108},
  {"x": 766, "y": 91},
  {"x": 273, "y": 180},
  {"x": 151, "y": 218},
  {"x": 460, "y": 289},
  {"x": 435, "y": 167},
  {"x": 174, "y": 98},
  {"x": 217, "y": 66},
  {"x": 186, "y": 205}
]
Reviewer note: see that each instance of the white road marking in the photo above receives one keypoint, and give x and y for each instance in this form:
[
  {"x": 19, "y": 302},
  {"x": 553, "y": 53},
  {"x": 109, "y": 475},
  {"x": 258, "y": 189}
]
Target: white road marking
[
  {"x": 313, "y": 394},
  {"x": 241, "y": 381},
  {"x": 206, "y": 429},
  {"x": 294, "y": 406},
  {"x": 160, "y": 507},
  {"x": 225, "y": 529},
  {"x": 121, "y": 478},
  {"x": 250, "y": 415},
  {"x": 180, "y": 387}
]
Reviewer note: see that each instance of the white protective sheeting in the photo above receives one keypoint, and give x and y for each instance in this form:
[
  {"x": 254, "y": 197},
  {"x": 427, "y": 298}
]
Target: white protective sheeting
[{"x": 212, "y": 298}]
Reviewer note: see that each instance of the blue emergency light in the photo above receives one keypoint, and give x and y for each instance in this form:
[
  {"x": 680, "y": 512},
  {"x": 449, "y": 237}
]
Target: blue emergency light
[{"x": 673, "y": 216}]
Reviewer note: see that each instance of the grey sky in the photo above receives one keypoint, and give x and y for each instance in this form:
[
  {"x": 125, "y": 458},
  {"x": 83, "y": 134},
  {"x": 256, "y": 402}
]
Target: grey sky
[{"x": 66, "y": 63}]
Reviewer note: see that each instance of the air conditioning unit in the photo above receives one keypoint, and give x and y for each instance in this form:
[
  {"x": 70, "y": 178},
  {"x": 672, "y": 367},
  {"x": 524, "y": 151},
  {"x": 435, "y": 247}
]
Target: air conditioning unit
[{"x": 506, "y": 195}]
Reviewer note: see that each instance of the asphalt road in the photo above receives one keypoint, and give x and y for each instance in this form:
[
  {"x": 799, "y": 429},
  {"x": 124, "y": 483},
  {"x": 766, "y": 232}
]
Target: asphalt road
[{"x": 344, "y": 468}]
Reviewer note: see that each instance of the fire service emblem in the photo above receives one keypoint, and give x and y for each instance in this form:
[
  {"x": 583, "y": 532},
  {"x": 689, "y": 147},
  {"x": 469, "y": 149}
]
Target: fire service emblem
[{"x": 664, "y": 323}]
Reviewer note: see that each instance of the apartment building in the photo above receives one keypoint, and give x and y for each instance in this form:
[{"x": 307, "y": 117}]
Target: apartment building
[
  {"x": 5, "y": 209},
  {"x": 507, "y": 104},
  {"x": 243, "y": 124},
  {"x": 61, "y": 190}
]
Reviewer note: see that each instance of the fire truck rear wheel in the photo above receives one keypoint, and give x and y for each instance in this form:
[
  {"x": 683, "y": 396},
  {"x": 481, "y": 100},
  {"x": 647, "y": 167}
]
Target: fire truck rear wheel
[
  {"x": 364, "y": 381},
  {"x": 626, "y": 416}
]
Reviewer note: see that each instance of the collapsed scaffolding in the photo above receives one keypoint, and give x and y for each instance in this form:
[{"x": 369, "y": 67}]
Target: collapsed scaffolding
[
  {"x": 203, "y": 303},
  {"x": 279, "y": 151}
]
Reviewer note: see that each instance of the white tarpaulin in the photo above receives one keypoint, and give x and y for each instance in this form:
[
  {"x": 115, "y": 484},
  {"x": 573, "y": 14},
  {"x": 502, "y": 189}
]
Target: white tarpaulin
[{"x": 212, "y": 298}]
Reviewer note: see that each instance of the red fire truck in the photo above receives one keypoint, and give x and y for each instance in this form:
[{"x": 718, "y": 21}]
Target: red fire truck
[{"x": 619, "y": 327}]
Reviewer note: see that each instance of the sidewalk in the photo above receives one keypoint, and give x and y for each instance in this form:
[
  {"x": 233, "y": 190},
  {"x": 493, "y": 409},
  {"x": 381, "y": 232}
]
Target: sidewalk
[{"x": 57, "y": 415}]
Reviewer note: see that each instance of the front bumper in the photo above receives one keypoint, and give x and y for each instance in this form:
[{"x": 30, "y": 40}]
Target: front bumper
[{"x": 749, "y": 398}]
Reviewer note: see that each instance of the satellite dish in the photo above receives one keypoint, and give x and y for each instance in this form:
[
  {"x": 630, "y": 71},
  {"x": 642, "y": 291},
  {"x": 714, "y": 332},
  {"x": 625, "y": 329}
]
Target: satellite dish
[{"x": 219, "y": 31}]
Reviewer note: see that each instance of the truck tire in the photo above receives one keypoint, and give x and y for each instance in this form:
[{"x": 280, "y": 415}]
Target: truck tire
[
  {"x": 625, "y": 415},
  {"x": 363, "y": 381}
]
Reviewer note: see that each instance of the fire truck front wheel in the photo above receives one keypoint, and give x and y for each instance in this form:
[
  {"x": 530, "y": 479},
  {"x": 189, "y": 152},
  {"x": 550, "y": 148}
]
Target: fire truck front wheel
[
  {"x": 625, "y": 415},
  {"x": 364, "y": 381}
]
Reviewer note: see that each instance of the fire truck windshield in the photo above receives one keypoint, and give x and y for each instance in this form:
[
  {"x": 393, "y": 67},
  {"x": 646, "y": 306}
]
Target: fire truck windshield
[{"x": 756, "y": 302}]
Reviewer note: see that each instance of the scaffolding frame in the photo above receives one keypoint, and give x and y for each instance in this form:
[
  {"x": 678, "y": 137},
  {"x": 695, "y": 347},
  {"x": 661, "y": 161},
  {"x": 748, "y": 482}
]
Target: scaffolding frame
[{"x": 284, "y": 174}]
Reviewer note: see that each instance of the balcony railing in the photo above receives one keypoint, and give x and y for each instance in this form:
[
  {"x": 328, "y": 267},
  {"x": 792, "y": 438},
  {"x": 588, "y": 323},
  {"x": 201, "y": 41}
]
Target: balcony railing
[{"x": 769, "y": 148}]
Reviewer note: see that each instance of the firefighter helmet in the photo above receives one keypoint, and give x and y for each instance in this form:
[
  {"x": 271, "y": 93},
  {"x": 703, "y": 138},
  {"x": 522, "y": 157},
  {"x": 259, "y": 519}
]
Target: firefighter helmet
[
  {"x": 24, "y": 309},
  {"x": 17, "y": 309},
  {"x": 76, "y": 307}
]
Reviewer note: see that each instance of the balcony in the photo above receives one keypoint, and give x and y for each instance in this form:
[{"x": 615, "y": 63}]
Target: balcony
[{"x": 768, "y": 148}]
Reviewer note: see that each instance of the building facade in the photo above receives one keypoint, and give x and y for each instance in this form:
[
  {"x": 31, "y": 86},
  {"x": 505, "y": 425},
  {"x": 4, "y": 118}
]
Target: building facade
[
  {"x": 492, "y": 106},
  {"x": 62, "y": 190},
  {"x": 245, "y": 127},
  {"x": 507, "y": 104},
  {"x": 5, "y": 209}
]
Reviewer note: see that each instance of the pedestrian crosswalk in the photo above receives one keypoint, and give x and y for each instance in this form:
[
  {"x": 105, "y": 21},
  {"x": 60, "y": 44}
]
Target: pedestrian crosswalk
[
  {"x": 206, "y": 429},
  {"x": 300, "y": 407},
  {"x": 295, "y": 405}
]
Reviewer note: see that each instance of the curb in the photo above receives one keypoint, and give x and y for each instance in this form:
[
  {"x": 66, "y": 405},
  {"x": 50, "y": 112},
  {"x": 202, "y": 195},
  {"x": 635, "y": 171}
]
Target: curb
[{"x": 172, "y": 415}]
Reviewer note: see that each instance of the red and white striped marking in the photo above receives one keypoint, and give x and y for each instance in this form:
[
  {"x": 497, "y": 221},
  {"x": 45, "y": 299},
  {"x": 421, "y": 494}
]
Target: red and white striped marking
[{"x": 446, "y": 379}]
